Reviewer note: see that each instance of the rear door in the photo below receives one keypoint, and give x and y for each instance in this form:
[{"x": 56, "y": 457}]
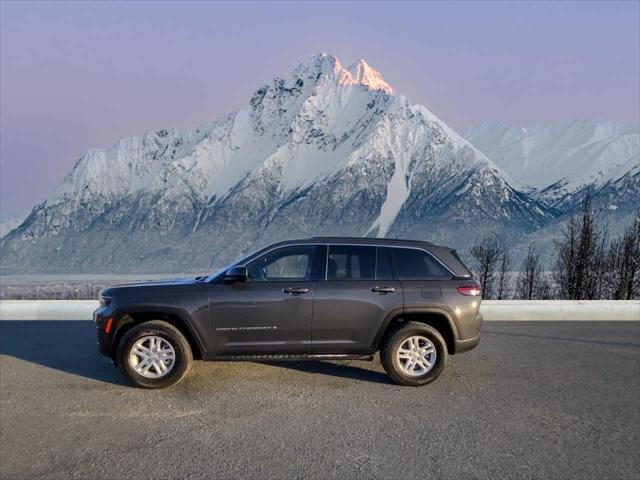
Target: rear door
[
  {"x": 271, "y": 312},
  {"x": 425, "y": 280},
  {"x": 350, "y": 305}
]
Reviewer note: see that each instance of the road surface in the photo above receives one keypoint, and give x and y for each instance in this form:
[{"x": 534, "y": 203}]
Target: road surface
[{"x": 543, "y": 400}]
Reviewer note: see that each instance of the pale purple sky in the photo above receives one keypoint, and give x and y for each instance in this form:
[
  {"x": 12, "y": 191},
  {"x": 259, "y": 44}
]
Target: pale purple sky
[{"x": 84, "y": 74}]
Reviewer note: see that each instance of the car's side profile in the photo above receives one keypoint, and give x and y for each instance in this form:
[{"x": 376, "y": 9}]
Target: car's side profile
[{"x": 317, "y": 298}]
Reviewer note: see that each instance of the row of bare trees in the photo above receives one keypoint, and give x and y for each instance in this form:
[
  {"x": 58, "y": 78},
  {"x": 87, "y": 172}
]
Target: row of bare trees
[{"x": 587, "y": 266}]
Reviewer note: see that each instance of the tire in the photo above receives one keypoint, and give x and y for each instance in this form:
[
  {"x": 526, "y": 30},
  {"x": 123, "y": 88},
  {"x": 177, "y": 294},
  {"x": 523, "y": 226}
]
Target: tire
[
  {"x": 163, "y": 339},
  {"x": 429, "y": 340}
]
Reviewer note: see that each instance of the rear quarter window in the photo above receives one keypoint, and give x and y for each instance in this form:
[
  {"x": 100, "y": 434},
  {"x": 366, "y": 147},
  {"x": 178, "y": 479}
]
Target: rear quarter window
[{"x": 413, "y": 264}]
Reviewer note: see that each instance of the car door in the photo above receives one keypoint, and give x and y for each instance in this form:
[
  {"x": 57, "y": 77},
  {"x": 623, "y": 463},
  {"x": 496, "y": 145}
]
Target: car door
[
  {"x": 352, "y": 303},
  {"x": 425, "y": 280},
  {"x": 270, "y": 313}
]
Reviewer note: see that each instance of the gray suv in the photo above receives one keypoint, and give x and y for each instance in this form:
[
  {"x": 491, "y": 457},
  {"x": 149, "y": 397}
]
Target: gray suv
[{"x": 318, "y": 298}]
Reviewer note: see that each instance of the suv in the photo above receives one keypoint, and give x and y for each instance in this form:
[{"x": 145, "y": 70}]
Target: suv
[{"x": 318, "y": 298}]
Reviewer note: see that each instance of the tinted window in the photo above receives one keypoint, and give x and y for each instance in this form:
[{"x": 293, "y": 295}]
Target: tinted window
[
  {"x": 351, "y": 263},
  {"x": 383, "y": 264},
  {"x": 287, "y": 263},
  {"x": 417, "y": 264}
]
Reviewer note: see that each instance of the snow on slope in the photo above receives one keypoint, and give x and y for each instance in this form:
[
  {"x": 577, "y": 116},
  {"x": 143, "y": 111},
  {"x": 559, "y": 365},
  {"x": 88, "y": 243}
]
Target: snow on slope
[{"x": 570, "y": 155}]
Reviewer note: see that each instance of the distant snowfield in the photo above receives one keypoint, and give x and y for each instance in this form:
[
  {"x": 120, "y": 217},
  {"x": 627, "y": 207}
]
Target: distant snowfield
[
  {"x": 574, "y": 153},
  {"x": 34, "y": 279},
  {"x": 74, "y": 286}
]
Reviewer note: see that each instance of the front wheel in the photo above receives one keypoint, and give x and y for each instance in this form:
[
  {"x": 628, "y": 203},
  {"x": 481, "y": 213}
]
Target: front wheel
[
  {"x": 154, "y": 355},
  {"x": 415, "y": 354}
]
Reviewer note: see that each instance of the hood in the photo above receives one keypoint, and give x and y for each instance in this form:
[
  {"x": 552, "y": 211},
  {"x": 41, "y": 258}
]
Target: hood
[{"x": 145, "y": 284}]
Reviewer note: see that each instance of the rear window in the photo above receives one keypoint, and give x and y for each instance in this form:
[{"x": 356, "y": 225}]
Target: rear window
[
  {"x": 413, "y": 264},
  {"x": 348, "y": 262},
  {"x": 461, "y": 269}
]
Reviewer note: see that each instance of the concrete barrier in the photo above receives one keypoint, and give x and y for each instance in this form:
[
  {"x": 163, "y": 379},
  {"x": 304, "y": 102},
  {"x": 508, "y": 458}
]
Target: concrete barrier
[
  {"x": 47, "y": 309},
  {"x": 560, "y": 310},
  {"x": 492, "y": 310}
]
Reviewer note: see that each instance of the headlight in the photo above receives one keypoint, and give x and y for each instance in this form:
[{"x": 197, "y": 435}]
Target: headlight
[{"x": 105, "y": 300}]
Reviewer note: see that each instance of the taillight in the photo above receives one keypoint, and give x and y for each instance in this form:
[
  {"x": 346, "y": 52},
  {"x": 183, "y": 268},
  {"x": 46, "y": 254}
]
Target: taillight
[{"x": 470, "y": 290}]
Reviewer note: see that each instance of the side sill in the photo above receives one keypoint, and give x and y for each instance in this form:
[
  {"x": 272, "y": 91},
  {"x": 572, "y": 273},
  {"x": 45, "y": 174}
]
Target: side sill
[{"x": 286, "y": 357}]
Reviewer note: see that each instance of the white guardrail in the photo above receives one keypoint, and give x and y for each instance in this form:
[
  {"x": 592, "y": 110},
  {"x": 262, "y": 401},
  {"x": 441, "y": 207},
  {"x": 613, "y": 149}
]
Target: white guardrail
[{"x": 492, "y": 310}]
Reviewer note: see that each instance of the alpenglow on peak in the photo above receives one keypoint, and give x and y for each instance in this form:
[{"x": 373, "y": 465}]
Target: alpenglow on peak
[
  {"x": 363, "y": 73},
  {"x": 359, "y": 73}
]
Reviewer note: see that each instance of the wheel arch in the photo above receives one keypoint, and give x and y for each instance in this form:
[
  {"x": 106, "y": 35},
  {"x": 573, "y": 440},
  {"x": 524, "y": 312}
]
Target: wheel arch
[
  {"x": 438, "y": 318},
  {"x": 128, "y": 319}
]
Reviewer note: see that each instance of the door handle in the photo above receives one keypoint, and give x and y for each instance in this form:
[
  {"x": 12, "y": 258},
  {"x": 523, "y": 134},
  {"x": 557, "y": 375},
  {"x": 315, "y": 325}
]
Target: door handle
[
  {"x": 295, "y": 290},
  {"x": 383, "y": 289}
]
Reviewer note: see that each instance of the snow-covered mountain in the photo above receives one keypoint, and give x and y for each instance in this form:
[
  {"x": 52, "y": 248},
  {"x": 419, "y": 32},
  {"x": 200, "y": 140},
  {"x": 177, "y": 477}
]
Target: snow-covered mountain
[
  {"x": 565, "y": 160},
  {"x": 327, "y": 150}
]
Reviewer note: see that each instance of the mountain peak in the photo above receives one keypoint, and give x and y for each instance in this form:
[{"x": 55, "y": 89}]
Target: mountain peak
[
  {"x": 359, "y": 73},
  {"x": 363, "y": 73}
]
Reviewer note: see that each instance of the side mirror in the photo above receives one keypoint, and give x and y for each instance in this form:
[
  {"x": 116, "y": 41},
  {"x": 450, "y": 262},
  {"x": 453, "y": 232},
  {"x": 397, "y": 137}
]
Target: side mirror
[{"x": 236, "y": 274}]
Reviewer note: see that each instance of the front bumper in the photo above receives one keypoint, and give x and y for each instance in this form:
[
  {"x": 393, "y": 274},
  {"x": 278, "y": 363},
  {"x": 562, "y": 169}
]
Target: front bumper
[{"x": 105, "y": 340}]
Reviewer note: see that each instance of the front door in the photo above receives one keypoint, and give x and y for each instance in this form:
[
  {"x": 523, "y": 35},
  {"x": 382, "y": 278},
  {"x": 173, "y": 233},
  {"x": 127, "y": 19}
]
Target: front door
[{"x": 271, "y": 312}]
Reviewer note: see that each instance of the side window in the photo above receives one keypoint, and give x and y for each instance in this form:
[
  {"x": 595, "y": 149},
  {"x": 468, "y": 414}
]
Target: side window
[
  {"x": 348, "y": 262},
  {"x": 414, "y": 264},
  {"x": 285, "y": 264},
  {"x": 383, "y": 264}
]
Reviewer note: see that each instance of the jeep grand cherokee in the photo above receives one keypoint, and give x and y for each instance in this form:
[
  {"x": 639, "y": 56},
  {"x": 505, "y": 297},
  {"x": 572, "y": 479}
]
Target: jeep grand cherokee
[{"x": 318, "y": 298}]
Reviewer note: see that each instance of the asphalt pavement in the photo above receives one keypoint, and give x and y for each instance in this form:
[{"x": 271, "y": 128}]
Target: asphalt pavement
[{"x": 535, "y": 400}]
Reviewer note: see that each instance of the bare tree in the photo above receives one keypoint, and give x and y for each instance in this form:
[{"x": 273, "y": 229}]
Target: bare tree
[
  {"x": 578, "y": 265},
  {"x": 502, "y": 283},
  {"x": 531, "y": 283},
  {"x": 486, "y": 252},
  {"x": 622, "y": 265},
  {"x": 629, "y": 285},
  {"x": 600, "y": 264}
]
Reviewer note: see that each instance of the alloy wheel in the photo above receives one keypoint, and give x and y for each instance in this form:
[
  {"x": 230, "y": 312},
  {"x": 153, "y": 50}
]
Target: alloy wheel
[
  {"x": 416, "y": 356},
  {"x": 152, "y": 357}
]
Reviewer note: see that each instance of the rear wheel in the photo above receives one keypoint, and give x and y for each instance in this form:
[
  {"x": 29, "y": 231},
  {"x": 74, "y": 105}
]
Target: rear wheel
[
  {"x": 414, "y": 354},
  {"x": 154, "y": 355}
]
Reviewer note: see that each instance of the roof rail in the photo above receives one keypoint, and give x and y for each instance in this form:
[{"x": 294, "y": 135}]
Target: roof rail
[{"x": 324, "y": 237}]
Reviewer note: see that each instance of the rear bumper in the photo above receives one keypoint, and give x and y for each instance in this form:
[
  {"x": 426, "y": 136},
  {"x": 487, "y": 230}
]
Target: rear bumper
[{"x": 464, "y": 345}]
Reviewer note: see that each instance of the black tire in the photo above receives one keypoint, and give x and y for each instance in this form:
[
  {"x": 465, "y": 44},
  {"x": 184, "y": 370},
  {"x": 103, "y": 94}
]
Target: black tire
[
  {"x": 393, "y": 341},
  {"x": 166, "y": 331}
]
